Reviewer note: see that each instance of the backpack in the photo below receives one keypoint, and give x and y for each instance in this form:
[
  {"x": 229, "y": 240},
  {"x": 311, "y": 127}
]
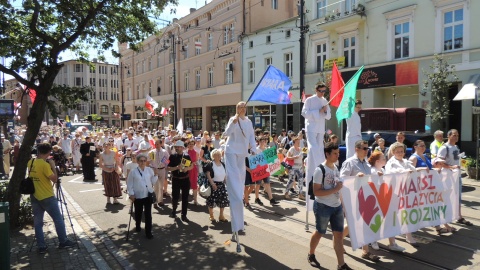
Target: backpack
[{"x": 310, "y": 184}]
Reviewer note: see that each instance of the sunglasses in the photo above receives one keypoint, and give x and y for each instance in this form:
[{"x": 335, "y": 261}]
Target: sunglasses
[
  {"x": 322, "y": 91},
  {"x": 363, "y": 148}
]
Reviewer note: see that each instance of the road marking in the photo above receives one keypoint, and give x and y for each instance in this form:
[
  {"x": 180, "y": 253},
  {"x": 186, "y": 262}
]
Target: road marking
[
  {"x": 76, "y": 180},
  {"x": 88, "y": 190}
]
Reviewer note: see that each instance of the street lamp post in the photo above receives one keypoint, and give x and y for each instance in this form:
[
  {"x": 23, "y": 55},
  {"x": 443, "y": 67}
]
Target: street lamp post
[
  {"x": 123, "y": 101},
  {"x": 174, "y": 49}
]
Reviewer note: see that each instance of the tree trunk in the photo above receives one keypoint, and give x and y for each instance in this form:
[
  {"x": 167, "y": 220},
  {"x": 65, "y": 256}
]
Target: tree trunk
[{"x": 34, "y": 122}]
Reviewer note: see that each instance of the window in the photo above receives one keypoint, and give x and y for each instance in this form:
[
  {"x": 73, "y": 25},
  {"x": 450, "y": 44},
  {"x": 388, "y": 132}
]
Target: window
[
  {"x": 349, "y": 49},
  {"x": 228, "y": 72},
  {"x": 321, "y": 56},
  {"x": 104, "y": 109},
  {"x": 92, "y": 81},
  {"x": 138, "y": 68},
  {"x": 197, "y": 79},
  {"x": 149, "y": 63},
  {"x": 250, "y": 44},
  {"x": 268, "y": 61},
  {"x": 288, "y": 33},
  {"x": 210, "y": 41},
  {"x": 158, "y": 60},
  {"x": 198, "y": 46},
  {"x": 159, "y": 88},
  {"x": 288, "y": 64},
  {"x": 144, "y": 66},
  {"x": 78, "y": 68},
  {"x": 129, "y": 91},
  {"x": 232, "y": 32},
  {"x": 401, "y": 40},
  {"x": 78, "y": 81},
  {"x": 453, "y": 30},
  {"x": 349, "y": 6},
  {"x": 171, "y": 83},
  {"x": 268, "y": 39},
  {"x": 210, "y": 76},
  {"x": 138, "y": 92},
  {"x": 274, "y": 4},
  {"x": 185, "y": 80},
  {"x": 251, "y": 72},
  {"x": 193, "y": 118},
  {"x": 185, "y": 51},
  {"x": 321, "y": 8},
  {"x": 150, "y": 88},
  {"x": 225, "y": 35}
]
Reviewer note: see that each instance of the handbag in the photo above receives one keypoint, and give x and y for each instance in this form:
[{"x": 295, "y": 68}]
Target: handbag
[
  {"x": 205, "y": 190},
  {"x": 26, "y": 185},
  {"x": 151, "y": 197}
]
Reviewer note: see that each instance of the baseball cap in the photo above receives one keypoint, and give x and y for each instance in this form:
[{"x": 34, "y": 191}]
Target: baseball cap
[{"x": 377, "y": 135}]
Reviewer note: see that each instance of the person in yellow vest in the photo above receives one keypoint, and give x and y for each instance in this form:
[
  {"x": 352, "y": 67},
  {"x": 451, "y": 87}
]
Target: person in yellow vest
[
  {"x": 437, "y": 143},
  {"x": 43, "y": 172}
]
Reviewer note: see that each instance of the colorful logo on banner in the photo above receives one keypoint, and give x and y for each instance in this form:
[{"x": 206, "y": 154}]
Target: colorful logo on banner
[
  {"x": 264, "y": 164},
  {"x": 372, "y": 204}
]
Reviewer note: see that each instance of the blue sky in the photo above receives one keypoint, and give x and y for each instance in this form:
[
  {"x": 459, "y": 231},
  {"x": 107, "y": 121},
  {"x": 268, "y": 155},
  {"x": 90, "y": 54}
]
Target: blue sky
[{"x": 182, "y": 10}]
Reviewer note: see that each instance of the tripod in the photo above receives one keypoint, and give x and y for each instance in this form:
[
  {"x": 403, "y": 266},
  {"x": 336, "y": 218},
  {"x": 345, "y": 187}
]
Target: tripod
[{"x": 63, "y": 204}]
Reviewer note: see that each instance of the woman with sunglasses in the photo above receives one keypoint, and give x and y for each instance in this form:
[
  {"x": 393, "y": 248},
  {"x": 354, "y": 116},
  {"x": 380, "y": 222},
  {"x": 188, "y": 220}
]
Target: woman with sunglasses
[
  {"x": 110, "y": 174},
  {"x": 140, "y": 182}
]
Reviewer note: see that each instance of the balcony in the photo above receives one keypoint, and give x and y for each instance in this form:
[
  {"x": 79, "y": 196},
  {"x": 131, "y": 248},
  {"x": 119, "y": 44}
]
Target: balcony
[{"x": 340, "y": 13}]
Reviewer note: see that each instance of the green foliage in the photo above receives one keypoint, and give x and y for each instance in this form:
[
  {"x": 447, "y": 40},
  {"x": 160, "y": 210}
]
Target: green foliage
[
  {"x": 25, "y": 212},
  {"x": 471, "y": 162},
  {"x": 68, "y": 96},
  {"x": 439, "y": 78}
]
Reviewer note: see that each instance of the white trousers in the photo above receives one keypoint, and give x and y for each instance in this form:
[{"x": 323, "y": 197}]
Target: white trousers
[
  {"x": 315, "y": 155},
  {"x": 350, "y": 142},
  {"x": 235, "y": 168}
]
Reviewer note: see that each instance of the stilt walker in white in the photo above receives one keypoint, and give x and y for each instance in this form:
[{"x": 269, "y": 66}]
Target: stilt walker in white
[
  {"x": 241, "y": 138},
  {"x": 354, "y": 129}
]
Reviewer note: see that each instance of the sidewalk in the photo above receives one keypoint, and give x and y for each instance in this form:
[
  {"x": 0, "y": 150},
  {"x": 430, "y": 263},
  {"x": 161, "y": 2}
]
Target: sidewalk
[{"x": 94, "y": 251}]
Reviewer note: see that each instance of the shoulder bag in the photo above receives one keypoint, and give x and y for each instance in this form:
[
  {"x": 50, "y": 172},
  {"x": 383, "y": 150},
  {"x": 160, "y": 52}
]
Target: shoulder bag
[{"x": 26, "y": 186}]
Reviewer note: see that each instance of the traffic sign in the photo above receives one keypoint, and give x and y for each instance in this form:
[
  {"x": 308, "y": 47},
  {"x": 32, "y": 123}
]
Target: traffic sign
[{"x": 126, "y": 116}]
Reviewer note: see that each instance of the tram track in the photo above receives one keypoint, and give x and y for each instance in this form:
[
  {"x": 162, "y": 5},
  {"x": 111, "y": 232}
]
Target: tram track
[{"x": 404, "y": 255}]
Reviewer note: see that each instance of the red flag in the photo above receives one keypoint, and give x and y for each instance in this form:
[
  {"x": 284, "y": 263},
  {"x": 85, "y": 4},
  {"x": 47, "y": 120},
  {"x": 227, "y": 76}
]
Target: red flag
[
  {"x": 150, "y": 103},
  {"x": 33, "y": 94},
  {"x": 336, "y": 86}
]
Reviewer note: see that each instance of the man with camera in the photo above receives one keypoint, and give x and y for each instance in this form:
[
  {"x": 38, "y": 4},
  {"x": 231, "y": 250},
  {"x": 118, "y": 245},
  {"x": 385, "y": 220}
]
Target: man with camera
[{"x": 42, "y": 171}]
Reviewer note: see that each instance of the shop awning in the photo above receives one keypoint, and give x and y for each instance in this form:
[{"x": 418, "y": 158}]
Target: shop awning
[{"x": 468, "y": 90}]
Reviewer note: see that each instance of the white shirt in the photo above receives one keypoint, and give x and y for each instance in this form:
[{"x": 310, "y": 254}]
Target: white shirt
[
  {"x": 314, "y": 120},
  {"x": 237, "y": 143},
  {"x": 158, "y": 158},
  {"x": 144, "y": 145},
  {"x": 66, "y": 145},
  {"x": 139, "y": 182},
  {"x": 396, "y": 166},
  {"x": 354, "y": 125},
  {"x": 118, "y": 143},
  {"x": 219, "y": 172},
  {"x": 331, "y": 179},
  {"x": 133, "y": 144}
]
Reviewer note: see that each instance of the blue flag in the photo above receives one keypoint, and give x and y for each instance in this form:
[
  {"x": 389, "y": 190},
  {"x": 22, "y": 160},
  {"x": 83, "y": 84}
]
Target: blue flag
[{"x": 273, "y": 87}]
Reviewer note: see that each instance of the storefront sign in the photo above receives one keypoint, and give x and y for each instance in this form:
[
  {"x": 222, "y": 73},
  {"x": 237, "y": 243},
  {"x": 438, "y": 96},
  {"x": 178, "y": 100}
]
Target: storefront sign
[
  {"x": 384, "y": 76},
  {"x": 328, "y": 64}
]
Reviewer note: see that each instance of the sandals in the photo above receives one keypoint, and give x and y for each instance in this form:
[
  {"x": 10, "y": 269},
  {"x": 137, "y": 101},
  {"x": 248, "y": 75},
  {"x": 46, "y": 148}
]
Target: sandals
[
  {"x": 464, "y": 222},
  {"x": 222, "y": 219},
  {"x": 371, "y": 257},
  {"x": 212, "y": 219},
  {"x": 442, "y": 231}
]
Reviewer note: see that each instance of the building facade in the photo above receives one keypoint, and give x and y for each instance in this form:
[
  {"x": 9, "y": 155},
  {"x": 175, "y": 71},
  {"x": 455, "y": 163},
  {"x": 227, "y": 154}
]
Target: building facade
[
  {"x": 196, "y": 59},
  {"x": 397, "y": 42},
  {"x": 105, "y": 99}
]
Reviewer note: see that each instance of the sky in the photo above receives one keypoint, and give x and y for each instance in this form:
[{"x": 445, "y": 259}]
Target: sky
[{"x": 182, "y": 10}]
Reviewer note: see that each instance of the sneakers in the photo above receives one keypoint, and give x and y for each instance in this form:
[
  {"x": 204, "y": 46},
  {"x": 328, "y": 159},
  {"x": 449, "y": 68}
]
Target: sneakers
[
  {"x": 374, "y": 245},
  {"x": 67, "y": 244},
  {"x": 173, "y": 215},
  {"x": 396, "y": 248},
  {"x": 344, "y": 267},
  {"x": 257, "y": 201},
  {"x": 312, "y": 260},
  {"x": 301, "y": 197},
  {"x": 42, "y": 250},
  {"x": 273, "y": 202}
]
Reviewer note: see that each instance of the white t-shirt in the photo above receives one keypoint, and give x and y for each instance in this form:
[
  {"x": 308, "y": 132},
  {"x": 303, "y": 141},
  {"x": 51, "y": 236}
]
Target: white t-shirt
[
  {"x": 218, "y": 172},
  {"x": 331, "y": 177},
  {"x": 449, "y": 153},
  {"x": 298, "y": 162}
]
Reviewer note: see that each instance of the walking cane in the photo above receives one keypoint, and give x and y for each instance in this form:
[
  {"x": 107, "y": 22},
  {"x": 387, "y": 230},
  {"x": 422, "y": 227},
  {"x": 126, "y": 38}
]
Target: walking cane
[{"x": 130, "y": 221}]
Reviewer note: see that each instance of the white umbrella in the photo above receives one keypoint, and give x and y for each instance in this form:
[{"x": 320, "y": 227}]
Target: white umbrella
[{"x": 467, "y": 92}]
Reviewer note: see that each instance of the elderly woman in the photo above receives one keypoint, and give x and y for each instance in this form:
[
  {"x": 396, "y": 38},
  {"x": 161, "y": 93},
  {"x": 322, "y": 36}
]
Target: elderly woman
[
  {"x": 140, "y": 182},
  {"x": 110, "y": 174},
  {"x": 397, "y": 164},
  {"x": 421, "y": 162},
  {"x": 216, "y": 175}
]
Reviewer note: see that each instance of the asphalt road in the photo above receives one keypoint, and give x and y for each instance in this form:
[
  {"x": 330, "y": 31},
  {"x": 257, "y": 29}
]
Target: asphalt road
[{"x": 275, "y": 237}]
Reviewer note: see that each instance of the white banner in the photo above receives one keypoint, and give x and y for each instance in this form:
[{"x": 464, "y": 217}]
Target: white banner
[{"x": 378, "y": 207}]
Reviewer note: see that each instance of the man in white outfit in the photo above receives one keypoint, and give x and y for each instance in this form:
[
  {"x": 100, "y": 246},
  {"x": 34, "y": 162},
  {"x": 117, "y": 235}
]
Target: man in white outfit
[
  {"x": 241, "y": 138},
  {"x": 316, "y": 111},
  {"x": 354, "y": 129}
]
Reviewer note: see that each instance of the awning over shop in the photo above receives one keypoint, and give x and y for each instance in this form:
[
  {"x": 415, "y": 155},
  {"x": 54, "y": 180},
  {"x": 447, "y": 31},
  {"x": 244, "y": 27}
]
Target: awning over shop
[{"x": 468, "y": 90}]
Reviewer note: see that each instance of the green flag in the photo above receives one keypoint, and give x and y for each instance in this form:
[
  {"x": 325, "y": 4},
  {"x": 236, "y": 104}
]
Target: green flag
[{"x": 347, "y": 105}]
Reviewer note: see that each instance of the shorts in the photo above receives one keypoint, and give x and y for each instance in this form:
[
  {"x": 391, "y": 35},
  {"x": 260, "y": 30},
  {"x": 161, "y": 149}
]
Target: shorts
[
  {"x": 248, "y": 179},
  {"x": 325, "y": 214},
  {"x": 266, "y": 180}
]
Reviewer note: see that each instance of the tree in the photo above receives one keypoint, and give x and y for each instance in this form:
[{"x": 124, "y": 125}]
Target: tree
[
  {"x": 439, "y": 79},
  {"x": 33, "y": 33}
]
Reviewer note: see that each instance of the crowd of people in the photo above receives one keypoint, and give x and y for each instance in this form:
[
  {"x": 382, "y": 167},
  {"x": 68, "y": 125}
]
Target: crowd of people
[{"x": 151, "y": 159}]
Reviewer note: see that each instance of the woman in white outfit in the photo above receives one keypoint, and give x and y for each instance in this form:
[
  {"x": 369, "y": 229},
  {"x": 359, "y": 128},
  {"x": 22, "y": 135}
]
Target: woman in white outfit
[
  {"x": 241, "y": 138},
  {"x": 354, "y": 129}
]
